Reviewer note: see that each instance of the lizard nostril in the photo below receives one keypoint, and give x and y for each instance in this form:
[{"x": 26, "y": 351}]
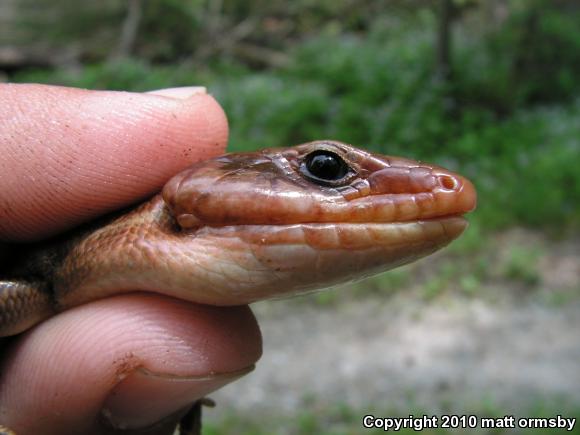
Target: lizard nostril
[{"x": 448, "y": 182}]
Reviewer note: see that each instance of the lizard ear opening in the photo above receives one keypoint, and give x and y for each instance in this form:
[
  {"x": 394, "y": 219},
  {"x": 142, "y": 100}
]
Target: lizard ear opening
[{"x": 178, "y": 199}]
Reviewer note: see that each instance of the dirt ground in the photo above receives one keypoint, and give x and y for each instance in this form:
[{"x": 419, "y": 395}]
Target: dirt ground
[{"x": 449, "y": 354}]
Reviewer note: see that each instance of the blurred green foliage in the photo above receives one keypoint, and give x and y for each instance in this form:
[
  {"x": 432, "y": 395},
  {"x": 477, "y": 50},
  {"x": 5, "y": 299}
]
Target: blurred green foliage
[
  {"x": 522, "y": 265},
  {"x": 508, "y": 118}
]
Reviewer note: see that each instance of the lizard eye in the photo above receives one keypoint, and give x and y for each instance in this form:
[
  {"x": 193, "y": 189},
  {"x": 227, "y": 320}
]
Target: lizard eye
[{"x": 325, "y": 167}]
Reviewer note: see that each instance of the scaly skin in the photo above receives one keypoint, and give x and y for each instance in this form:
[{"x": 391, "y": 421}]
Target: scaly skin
[{"x": 245, "y": 227}]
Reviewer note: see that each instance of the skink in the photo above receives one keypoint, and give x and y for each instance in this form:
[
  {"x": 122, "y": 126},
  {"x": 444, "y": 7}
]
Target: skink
[{"x": 244, "y": 227}]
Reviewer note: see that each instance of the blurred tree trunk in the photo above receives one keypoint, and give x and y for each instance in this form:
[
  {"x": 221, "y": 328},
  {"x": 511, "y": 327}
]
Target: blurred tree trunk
[
  {"x": 524, "y": 60},
  {"x": 129, "y": 31},
  {"x": 444, "y": 41}
]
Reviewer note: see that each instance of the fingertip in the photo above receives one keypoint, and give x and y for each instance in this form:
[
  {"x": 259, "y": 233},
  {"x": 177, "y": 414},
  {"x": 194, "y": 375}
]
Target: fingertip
[
  {"x": 132, "y": 359},
  {"x": 68, "y": 155}
]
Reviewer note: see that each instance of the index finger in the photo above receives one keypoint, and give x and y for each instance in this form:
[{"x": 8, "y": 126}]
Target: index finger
[{"x": 68, "y": 155}]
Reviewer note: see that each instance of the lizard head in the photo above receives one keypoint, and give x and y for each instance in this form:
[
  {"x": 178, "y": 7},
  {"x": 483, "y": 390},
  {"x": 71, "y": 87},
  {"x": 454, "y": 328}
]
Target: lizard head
[{"x": 323, "y": 212}]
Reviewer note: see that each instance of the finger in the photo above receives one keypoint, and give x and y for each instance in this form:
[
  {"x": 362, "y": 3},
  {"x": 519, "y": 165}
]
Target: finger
[
  {"x": 127, "y": 362},
  {"x": 68, "y": 155}
]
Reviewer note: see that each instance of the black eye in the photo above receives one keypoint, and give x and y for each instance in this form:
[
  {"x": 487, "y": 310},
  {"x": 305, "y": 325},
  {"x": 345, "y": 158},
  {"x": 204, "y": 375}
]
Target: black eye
[{"x": 324, "y": 167}]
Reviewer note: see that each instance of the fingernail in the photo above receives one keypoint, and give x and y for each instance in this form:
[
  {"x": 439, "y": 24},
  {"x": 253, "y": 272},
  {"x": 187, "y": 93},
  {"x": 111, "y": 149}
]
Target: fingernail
[
  {"x": 145, "y": 398},
  {"x": 182, "y": 93}
]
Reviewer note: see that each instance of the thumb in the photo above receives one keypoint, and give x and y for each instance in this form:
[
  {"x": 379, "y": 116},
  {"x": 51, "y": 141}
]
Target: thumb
[{"x": 68, "y": 155}]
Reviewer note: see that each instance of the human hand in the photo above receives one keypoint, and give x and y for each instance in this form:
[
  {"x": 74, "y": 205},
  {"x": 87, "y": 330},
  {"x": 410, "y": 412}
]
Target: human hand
[{"x": 128, "y": 362}]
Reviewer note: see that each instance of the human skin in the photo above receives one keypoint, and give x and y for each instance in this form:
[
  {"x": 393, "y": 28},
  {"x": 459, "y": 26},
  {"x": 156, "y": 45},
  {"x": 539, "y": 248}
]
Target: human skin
[{"x": 132, "y": 361}]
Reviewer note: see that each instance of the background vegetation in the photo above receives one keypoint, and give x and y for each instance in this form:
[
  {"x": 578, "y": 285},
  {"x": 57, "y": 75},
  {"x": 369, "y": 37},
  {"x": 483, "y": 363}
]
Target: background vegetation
[
  {"x": 488, "y": 88},
  {"x": 502, "y": 106}
]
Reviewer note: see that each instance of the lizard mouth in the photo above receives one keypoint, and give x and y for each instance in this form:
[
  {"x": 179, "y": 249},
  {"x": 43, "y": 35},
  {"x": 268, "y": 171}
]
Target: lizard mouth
[
  {"x": 345, "y": 235},
  {"x": 287, "y": 259}
]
